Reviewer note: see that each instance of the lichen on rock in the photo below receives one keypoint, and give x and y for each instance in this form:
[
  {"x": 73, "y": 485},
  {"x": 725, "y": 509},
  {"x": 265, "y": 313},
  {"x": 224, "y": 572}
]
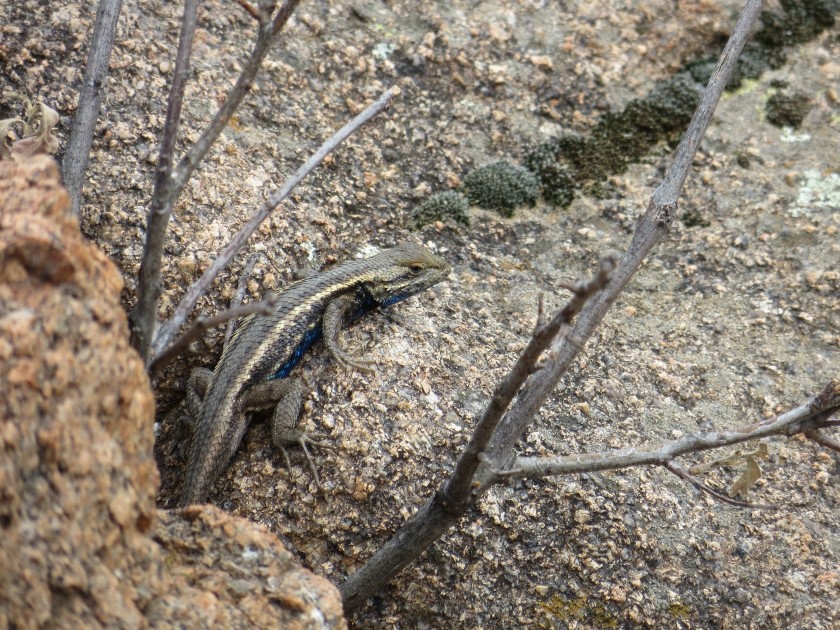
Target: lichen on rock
[
  {"x": 501, "y": 186},
  {"x": 449, "y": 204}
]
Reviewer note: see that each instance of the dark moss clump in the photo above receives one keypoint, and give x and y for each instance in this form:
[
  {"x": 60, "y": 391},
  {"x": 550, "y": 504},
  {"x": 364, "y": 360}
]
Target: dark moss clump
[
  {"x": 587, "y": 158},
  {"x": 669, "y": 107},
  {"x": 621, "y": 138},
  {"x": 442, "y": 206},
  {"x": 801, "y": 22},
  {"x": 501, "y": 186},
  {"x": 787, "y": 110},
  {"x": 694, "y": 218},
  {"x": 558, "y": 188}
]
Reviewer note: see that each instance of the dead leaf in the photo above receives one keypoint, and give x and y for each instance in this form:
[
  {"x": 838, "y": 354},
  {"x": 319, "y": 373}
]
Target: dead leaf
[
  {"x": 38, "y": 133},
  {"x": 5, "y": 129},
  {"x": 743, "y": 483},
  {"x": 731, "y": 459}
]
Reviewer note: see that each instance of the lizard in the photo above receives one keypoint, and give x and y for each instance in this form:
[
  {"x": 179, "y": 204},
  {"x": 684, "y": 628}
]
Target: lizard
[{"x": 253, "y": 372}]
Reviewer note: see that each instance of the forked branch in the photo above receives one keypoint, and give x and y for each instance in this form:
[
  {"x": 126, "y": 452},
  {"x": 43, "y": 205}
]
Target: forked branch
[
  {"x": 169, "y": 181},
  {"x": 813, "y": 415}
]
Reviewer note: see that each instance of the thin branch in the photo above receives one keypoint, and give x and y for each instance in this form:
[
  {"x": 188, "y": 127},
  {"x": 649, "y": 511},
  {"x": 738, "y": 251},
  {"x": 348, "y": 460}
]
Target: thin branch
[
  {"x": 170, "y": 182},
  {"x": 199, "y": 287},
  {"x": 651, "y": 229},
  {"x": 823, "y": 440},
  {"x": 250, "y": 9},
  {"x": 75, "y": 159},
  {"x": 266, "y": 38},
  {"x": 682, "y": 474},
  {"x": 457, "y": 490},
  {"x": 812, "y": 415},
  {"x": 165, "y": 192},
  {"x": 203, "y": 324},
  {"x": 442, "y": 510},
  {"x": 247, "y": 270},
  {"x": 449, "y": 503}
]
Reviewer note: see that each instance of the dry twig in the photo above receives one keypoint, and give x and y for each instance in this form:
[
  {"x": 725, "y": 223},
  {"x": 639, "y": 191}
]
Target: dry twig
[
  {"x": 823, "y": 440},
  {"x": 165, "y": 192},
  {"x": 807, "y": 417},
  {"x": 203, "y": 324},
  {"x": 90, "y": 98},
  {"x": 683, "y": 474},
  {"x": 199, "y": 287},
  {"x": 169, "y": 182},
  {"x": 440, "y": 512}
]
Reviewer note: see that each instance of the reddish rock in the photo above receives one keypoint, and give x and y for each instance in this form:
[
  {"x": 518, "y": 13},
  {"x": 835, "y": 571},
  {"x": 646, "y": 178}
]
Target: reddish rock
[{"x": 83, "y": 544}]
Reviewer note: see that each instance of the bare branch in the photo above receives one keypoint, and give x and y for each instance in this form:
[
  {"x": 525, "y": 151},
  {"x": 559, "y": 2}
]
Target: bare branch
[
  {"x": 823, "y": 440},
  {"x": 203, "y": 324},
  {"x": 170, "y": 182},
  {"x": 90, "y": 98},
  {"x": 457, "y": 490},
  {"x": 444, "y": 509},
  {"x": 449, "y": 503},
  {"x": 812, "y": 415},
  {"x": 165, "y": 192},
  {"x": 266, "y": 38},
  {"x": 652, "y": 227},
  {"x": 247, "y": 270},
  {"x": 199, "y": 287},
  {"x": 683, "y": 474}
]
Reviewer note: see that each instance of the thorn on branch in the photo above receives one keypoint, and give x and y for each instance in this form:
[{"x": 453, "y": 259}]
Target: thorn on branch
[
  {"x": 583, "y": 288},
  {"x": 247, "y": 270},
  {"x": 540, "y": 312}
]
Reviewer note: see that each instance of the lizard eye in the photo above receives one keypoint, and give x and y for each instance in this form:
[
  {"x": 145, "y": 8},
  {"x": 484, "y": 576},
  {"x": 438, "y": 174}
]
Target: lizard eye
[{"x": 416, "y": 268}]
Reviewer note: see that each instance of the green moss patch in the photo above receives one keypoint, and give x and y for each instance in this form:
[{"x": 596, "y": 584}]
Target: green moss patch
[
  {"x": 449, "y": 205},
  {"x": 501, "y": 186}
]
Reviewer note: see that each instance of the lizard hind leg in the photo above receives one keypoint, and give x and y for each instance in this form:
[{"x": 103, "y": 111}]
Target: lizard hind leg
[
  {"x": 196, "y": 389},
  {"x": 286, "y": 396}
]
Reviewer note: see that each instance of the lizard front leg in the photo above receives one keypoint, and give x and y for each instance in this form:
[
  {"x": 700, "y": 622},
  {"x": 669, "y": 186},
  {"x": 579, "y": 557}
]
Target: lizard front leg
[{"x": 334, "y": 316}]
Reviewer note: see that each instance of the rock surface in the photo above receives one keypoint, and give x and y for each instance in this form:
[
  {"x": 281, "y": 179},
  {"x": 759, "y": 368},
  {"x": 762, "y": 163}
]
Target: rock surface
[
  {"x": 734, "y": 317},
  {"x": 82, "y": 542}
]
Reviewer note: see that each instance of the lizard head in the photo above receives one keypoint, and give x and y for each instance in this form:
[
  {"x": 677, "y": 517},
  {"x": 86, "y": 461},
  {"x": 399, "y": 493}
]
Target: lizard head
[{"x": 403, "y": 271}]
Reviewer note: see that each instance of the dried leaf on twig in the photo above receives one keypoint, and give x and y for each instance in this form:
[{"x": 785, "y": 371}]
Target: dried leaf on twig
[
  {"x": 743, "y": 483},
  {"x": 732, "y": 459}
]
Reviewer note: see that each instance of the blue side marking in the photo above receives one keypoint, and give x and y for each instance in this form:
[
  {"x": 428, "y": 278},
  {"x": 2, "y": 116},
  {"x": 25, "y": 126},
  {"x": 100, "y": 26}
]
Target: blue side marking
[
  {"x": 309, "y": 338},
  {"x": 393, "y": 300},
  {"x": 366, "y": 304}
]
